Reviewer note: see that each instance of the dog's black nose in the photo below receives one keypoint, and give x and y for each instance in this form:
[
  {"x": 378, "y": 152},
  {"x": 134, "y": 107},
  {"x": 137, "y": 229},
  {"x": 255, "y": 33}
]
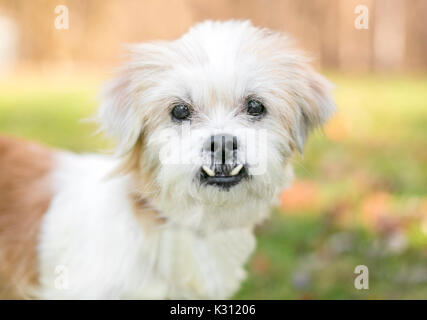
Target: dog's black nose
[{"x": 222, "y": 149}]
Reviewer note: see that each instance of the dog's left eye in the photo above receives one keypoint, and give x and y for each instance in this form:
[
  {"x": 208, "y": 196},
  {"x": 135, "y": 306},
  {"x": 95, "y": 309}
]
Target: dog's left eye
[
  {"x": 255, "y": 108},
  {"x": 181, "y": 112}
]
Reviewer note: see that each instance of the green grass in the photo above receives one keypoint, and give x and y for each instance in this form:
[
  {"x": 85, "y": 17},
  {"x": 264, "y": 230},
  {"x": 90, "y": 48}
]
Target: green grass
[
  {"x": 368, "y": 171},
  {"x": 54, "y": 114},
  {"x": 308, "y": 258}
]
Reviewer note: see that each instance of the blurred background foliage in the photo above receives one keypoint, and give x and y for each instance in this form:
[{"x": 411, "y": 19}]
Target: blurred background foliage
[{"x": 360, "y": 194}]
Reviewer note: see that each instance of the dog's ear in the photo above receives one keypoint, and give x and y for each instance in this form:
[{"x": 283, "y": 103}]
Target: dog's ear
[
  {"x": 314, "y": 102},
  {"x": 123, "y": 106}
]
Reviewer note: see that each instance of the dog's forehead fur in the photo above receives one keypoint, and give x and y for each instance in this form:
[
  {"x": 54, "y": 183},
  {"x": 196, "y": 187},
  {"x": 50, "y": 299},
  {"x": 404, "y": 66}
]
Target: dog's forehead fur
[{"x": 228, "y": 62}]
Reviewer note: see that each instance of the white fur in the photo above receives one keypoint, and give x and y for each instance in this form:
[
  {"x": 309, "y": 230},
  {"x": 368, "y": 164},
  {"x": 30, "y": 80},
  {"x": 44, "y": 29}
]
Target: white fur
[{"x": 91, "y": 231}]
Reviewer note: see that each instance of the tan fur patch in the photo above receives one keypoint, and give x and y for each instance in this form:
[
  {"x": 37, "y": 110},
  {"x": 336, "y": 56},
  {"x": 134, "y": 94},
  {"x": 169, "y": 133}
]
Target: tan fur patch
[
  {"x": 143, "y": 175},
  {"x": 148, "y": 217},
  {"x": 144, "y": 187},
  {"x": 24, "y": 198}
]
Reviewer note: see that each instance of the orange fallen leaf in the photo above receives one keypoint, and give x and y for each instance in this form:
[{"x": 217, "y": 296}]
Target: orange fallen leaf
[
  {"x": 376, "y": 204},
  {"x": 261, "y": 264},
  {"x": 376, "y": 211},
  {"x": 302, "y": 195}
]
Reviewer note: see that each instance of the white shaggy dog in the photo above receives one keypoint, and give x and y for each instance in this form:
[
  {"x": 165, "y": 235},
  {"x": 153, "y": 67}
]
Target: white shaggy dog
[{"x": 206, "y": 126}]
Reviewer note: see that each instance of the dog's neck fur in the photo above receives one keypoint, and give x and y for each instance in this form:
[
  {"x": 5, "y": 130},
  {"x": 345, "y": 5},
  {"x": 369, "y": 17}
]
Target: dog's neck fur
[
  {"x": 204, "y": 262},
  {"x": 199, "y": 262}
]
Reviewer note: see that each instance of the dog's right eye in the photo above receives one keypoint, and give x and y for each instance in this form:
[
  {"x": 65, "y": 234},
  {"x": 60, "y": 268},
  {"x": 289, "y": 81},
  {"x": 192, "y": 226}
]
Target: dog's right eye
[{"x": 181, "y": 112}]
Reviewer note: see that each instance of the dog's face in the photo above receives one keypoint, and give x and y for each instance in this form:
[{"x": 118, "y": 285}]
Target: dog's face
[{"x": 213, "y": 117}]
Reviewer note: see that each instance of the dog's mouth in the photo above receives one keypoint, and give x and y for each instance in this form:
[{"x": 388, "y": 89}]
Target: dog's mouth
[{"x": 223, "y": 176}]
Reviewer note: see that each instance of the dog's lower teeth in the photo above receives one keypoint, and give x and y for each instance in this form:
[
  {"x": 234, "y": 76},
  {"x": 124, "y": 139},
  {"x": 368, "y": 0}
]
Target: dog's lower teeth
[
  {"x": 236, "y": 170},
  {"x": 208, "y": 171}
]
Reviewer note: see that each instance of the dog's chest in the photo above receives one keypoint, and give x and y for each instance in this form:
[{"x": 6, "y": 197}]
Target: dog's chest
[
  {"x": 201, "y": 266},
  {"x": 99, "y": 250}
]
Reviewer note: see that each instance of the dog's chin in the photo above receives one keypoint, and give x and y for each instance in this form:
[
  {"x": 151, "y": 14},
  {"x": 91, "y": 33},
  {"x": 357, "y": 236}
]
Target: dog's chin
[
  {"x": 225, "y": 191},
  {"x": 194, "y": 198}
]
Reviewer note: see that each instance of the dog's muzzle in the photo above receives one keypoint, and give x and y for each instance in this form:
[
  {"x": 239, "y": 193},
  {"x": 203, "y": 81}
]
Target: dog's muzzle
[{"x": 223, "y": 170}]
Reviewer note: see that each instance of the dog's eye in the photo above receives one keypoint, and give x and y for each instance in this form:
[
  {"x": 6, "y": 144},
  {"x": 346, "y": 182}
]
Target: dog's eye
[
  {"x": 180, "y": 112},
  {"x": 255, "y": 108}
]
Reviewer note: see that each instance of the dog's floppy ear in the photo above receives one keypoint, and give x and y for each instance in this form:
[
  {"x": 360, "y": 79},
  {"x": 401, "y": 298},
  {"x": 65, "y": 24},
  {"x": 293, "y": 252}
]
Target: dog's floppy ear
[
  {"x": 315, "y": 104},
  {"x": 124, "y": 98}
]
